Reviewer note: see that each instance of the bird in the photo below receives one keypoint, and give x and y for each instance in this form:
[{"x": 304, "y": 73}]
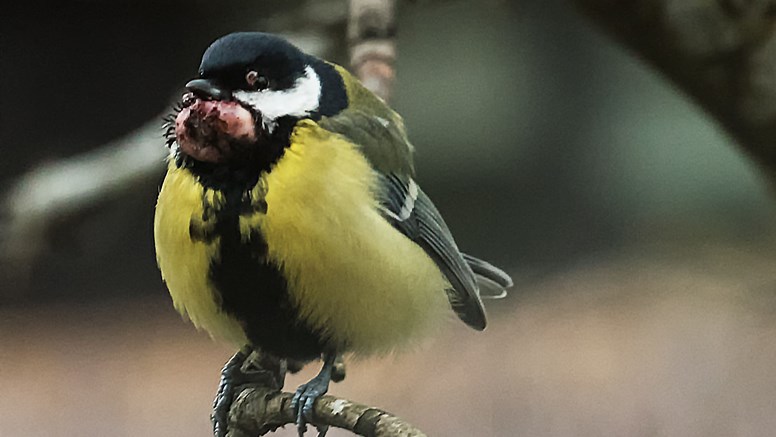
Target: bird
[{"x": 290, "y": 220}]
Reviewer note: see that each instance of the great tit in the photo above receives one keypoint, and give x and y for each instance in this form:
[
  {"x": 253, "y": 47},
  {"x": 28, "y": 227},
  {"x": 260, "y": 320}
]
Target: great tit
[{"x": 290, "y": 220}]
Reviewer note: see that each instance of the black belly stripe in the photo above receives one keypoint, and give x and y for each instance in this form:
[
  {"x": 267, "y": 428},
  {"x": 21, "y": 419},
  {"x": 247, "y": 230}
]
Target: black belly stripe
[{"x": 252, "y": 289}]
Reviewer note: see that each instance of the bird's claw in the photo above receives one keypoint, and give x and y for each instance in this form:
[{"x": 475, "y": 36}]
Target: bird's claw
[
  {"x": 246, "y": 367},
  {"x": 230, "y": 378},
  {"x": 304, "y": 399},
  {"x": 303, "y": 402}
]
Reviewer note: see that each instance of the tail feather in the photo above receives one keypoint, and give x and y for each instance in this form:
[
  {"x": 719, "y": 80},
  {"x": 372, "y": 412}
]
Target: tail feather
[
  {"x": 490, "y": 289},
  {"x": 491, "y": 280}
]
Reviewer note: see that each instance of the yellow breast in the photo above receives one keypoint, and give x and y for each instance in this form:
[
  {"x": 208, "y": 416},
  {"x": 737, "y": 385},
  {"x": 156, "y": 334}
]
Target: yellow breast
[
  {"x": 352, "y": 275},
  {"x": 185, "y": 263}
]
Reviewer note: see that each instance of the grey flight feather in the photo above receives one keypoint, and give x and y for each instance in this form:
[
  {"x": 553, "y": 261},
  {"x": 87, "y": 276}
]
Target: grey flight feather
[{"x": 424, "y": 225}]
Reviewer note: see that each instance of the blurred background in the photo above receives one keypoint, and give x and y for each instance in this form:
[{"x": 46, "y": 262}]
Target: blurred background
[{"x": 642, "y": 242}]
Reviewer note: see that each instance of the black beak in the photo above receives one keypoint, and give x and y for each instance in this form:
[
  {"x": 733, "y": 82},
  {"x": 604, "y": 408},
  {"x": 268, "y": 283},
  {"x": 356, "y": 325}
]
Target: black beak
[{"x": 207, "y": 89}]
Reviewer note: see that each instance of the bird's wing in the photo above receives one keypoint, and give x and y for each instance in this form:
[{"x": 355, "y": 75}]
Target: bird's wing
[
  {"x": 410, "y": 211},
  {"x": 380, "y": 134}
]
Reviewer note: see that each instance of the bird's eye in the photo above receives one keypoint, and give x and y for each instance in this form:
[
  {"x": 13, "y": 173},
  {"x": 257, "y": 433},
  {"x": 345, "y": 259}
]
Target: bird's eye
[{"x": 256, "y": 80}]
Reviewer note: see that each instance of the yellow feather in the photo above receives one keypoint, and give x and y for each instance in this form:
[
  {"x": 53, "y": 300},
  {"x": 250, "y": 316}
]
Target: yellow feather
[
  {"x": 185, "y": 263},
  {"x": 352, "y": 275}
]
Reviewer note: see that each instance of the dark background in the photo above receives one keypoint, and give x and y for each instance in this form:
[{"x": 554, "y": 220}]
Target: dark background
[{"x": 641, "y": 241}]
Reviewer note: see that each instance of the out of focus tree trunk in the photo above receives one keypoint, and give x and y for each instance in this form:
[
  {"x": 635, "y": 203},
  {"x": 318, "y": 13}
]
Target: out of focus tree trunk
[{"x": 720, "y": 52}]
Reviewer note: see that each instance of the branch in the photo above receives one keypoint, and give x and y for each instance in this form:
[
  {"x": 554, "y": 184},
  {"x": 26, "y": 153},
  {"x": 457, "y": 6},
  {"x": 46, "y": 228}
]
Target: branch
[
  {"x": 720, "y": 52},
  {"x": 257, "y": 411},
  {"x": 259, "y": 407},
  {"x": 372, "y": 40},
  {"x": 57, "y": 190}
]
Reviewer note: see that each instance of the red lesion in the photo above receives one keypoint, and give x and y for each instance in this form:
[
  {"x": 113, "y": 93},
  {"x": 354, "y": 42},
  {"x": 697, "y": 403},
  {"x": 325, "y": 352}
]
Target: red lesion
[{"x": 209, "y": 130}]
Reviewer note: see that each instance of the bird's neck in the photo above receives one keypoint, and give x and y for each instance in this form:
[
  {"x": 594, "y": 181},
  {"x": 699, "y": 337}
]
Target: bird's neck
[{"x": 243, "y": 170}]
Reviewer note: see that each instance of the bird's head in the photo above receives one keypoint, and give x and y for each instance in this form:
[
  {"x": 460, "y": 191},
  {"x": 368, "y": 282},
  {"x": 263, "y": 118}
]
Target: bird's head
[{"x": 251, "y": 90}]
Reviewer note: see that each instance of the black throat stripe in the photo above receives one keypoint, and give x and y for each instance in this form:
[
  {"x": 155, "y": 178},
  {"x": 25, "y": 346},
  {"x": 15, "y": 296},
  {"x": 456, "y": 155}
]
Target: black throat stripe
[{"x": 252, "y": 289}]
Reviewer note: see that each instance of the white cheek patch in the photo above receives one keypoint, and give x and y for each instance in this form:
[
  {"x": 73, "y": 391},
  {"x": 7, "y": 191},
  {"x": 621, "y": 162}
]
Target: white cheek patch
[{"x": 298, "y": 101}]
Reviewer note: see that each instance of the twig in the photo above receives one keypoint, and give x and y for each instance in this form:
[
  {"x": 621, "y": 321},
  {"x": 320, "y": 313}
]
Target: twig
[
  {"x": 260, "y": 407},
  {"x": 372, "y": 40},
  {"x": 720, "y": 52},
  {"x": 56, "y": 190},
  {"x": 257, "y": 411}
]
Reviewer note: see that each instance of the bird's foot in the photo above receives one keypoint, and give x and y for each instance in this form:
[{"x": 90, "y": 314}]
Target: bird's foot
[
  {"x": 308, "y": 393},
  {"x": 246, "y": 367},
  {"x": 231, "y": 376}
]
